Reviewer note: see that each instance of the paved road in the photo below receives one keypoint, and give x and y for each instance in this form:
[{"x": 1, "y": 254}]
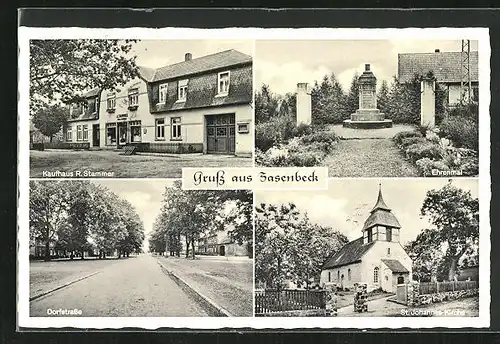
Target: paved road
[{"x": 132, "y": 287}]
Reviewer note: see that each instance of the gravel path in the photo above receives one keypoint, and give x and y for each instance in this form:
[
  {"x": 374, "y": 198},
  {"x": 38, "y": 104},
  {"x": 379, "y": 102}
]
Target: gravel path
[
  {"x": 368, "y": 158},
  {"x": 130, "y": 287}
]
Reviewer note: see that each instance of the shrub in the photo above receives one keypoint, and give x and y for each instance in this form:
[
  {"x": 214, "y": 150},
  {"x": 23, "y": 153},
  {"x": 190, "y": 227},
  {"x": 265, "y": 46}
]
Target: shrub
[
  {"x": 418, "y": 151},
  {"x": 303, "y": 129},
  {"x": 273, "y": 132},
  {"x": 466, "y": 111},
  {"x": 320, "y": 136},
  {"x": 424, "y": 128},
  {"x": 426, "y": 165},
  {"x": 463, "y": 132},
  {"x": 406, "y": 142},
  {"x": 303, "y": 158},
  {"x": 405, "y": 134}
]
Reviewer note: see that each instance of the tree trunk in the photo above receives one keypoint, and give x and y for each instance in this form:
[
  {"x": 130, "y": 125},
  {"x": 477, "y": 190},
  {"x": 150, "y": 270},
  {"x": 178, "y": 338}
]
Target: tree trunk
[
  {"x": 192, "y": 246},
  {"x": 51, "y": 138},
  {"x": 453, "y": 268},
  {"x": 72, "y": 255},
  {"x": 47, "y": 250},
  {"x": 83, "y": 255},
  {"x": 187, "y": 247}
]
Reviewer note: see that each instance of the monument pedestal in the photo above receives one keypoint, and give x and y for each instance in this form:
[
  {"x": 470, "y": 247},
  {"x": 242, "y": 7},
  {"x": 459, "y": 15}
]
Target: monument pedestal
[{"x": 367, "y": 116}]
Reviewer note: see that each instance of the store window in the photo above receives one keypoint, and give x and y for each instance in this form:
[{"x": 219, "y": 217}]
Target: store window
[{"x": 135, "y": 131}]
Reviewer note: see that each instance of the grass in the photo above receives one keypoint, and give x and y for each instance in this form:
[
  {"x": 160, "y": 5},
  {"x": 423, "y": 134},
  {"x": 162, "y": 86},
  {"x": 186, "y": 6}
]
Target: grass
[
  {"x": 368, "y": 158},
  {"x": 228, "y": 283},
  {"x": 135, "y": 166}
]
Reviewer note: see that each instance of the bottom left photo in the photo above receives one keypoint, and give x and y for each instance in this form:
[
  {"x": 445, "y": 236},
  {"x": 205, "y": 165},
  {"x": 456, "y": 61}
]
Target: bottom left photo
[{"x": 139, "y": 248}]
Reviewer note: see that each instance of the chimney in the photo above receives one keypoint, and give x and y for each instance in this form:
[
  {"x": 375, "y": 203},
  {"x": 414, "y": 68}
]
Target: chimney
[
  {"x": 303, "y": 104},
  {"x": 188, "y": 57},
  {"x": 367, "y": 67},
  {"x": 436, "y": 50}
]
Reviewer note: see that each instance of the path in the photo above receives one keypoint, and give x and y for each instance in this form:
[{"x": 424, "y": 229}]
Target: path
[
  {"x": 368, "y": 153},
  {"x": 130, "y": 287},
  {"x": 377, "y": 307}
]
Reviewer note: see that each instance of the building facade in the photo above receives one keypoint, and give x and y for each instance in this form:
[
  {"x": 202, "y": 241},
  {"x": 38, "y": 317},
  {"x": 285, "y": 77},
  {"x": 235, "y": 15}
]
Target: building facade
[
  {"x": 219, "y": 243},
  {"x": 445, "y": 66},
  {"x": 376, "y": 258},
  {"x": 197, "y": 105}
]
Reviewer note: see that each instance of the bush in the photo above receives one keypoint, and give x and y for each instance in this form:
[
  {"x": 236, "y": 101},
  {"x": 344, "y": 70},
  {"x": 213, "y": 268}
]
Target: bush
[
  {"x": 273, "y": 132},
  {"x": 418, "y": 151},
  {"x": 303, "y": 129},
  {"x": 405, "y": 134},
  {"x": 303, "y": 158},
  {"x": 426, "y": 165},
  {"x": 406, "y": 142},
  {"x": 462, "y": 131},
  {"x": 320, "y": 136}
]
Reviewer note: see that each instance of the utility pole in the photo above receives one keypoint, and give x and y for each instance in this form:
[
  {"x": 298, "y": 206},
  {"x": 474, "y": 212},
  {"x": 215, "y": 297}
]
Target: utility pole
[{"x": 465, "y": 83}]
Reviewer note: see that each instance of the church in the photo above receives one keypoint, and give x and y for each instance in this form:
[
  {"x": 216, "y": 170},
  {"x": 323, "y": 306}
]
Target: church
[{"x": 376, "y": 258}]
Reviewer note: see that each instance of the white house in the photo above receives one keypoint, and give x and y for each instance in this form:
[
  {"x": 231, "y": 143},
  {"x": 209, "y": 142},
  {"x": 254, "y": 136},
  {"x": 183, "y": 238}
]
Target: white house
[{"x": 376, "y": 258}]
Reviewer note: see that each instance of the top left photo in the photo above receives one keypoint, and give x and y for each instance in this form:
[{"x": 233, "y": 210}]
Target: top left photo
[{"x": 112, "y": 108}]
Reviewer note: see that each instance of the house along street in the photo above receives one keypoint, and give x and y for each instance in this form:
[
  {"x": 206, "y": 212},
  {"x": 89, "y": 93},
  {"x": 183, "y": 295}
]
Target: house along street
[{"x": 136, "y": 286}]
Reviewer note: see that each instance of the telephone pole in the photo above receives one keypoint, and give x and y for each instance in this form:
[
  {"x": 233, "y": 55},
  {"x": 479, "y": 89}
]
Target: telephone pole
[{"x": 465, "y": 84}]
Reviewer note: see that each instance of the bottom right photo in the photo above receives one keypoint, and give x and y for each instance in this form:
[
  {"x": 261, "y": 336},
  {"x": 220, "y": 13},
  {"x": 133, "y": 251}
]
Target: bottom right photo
[{"x": 369, "y": 247}]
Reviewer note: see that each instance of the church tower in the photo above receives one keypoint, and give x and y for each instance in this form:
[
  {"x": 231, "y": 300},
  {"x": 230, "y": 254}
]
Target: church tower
[{"x": 381, "y": 224}]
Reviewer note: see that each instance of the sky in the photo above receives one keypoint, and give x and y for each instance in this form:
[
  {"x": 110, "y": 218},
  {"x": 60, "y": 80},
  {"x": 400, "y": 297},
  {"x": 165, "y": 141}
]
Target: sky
[
  {"x": 353, "y": 199},
  {"x": 284, "y": 63},
  {"x": 159, "y": 53}
]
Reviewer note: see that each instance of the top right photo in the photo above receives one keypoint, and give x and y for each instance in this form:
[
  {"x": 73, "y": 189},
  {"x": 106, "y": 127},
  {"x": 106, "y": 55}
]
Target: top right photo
[{"x": 368, "y": 108}]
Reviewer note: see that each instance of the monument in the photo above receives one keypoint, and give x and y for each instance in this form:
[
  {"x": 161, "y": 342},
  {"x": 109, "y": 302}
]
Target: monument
[
  {"x": 367, "y": 116},
  {"x": 428, "y": 102}
]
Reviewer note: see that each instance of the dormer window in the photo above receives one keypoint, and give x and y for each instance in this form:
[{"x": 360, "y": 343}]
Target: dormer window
[
  {"x": 162, "y": 93},
  {"x": 133, "y": 97},
  {"x": 182, "y": 92},
  {"x": 111, "y": 102},
  {"x": 223, "y": 83}
]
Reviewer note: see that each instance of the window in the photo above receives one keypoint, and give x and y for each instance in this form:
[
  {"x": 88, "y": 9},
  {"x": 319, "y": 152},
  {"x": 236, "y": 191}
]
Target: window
[
  {"x": 160, "y": 128},
  {"x": 243, "y": 128},
  {"x": 111, "y": 101},
  {"x": 111, "y": 133},
  {"x": 135, "y": 131},
  {"x": 348, "y": 274},
  {"x": 223, "y": 83},
  {"x": 388, "y": 234},
  {"x": 69, "y": 134},
  {"x": 162, "y": 93},
  {"x": 133, "y": 97},
  {"x": 85, "y": 132},
  {"x": 375, "y": 275},
  {"x": 79, "y": 133},
  {"x": 183, "y": 87},
  {"x": 175, "y": 124},
  {"x": 369, "y": 234}
]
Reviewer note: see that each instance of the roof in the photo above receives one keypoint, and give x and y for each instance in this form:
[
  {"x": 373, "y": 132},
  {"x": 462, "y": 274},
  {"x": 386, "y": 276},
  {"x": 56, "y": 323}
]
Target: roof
[
  {"x": 348, "y": 254},
  {"x": 381, "y": 215},
  {"x": 219, "y": 60},
  {"x": 92, "y": 93},
  {"x": 395, "y": 265},
  {"x": 446, "y": 66}
]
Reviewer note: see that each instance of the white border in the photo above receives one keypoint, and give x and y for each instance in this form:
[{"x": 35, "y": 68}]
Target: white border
[{"x": 480, "y": 34}]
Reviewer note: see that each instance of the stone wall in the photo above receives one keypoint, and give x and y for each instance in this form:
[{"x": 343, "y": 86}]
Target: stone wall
[
  {"x": 301, "y": 313},
  {"x": 360, "y": 297}
]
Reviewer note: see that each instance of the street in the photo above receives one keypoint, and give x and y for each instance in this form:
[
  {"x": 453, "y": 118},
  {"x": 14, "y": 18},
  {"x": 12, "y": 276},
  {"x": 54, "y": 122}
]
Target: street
[{"x": 129, "y": 287}]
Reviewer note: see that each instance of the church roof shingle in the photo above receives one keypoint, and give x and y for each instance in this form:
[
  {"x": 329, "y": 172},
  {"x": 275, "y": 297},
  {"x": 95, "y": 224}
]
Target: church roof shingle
[
  {"x": 395, "y": 265},
  {"x": 381, "y": 214},
  {"x": 348, "y": 254}
]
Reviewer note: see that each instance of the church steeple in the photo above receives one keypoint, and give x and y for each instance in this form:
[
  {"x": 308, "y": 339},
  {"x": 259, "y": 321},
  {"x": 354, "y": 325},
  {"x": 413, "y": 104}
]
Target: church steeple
[
  {"x": 380, "y": 201},
  {"x": 381, "y": 224}
]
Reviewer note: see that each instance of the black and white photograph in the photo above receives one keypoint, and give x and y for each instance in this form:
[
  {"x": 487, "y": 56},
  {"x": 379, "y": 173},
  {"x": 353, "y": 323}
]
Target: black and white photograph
[
  {"x": 368, "y": 247},
  {"x": 138, "y": 108},
  {"x": 368, "y": 108},
  {"x": 139, "y": 249}
]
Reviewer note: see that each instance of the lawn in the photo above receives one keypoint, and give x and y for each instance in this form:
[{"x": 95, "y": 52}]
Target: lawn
[
  {"x": 228, "y": 283},
  {"x": 44, "y": 276},
  {"x": 135, "y": 166}
]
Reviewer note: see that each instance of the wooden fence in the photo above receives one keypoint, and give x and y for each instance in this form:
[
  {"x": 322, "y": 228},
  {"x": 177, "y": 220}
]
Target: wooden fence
[
  {"x": 441, "y": 287},
  {"x": 270, "y": 301}
]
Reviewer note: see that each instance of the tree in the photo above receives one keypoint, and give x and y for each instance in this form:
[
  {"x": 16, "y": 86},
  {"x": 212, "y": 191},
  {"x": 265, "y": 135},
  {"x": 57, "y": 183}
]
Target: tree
[
  {"x": 383, "y": 97},
  {"x": 63, "y": 69},
  {"x": 454, "y": 213},
  {"x": 49, "y": 119},
  {"x": 48, "y": 205},
  {"x": 426, "y": 255},
  {"x": 352, "y": 102}
]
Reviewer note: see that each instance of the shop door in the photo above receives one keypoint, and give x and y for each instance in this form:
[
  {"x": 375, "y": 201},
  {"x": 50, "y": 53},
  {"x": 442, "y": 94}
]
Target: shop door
[
  {"x": 122, "y": 134},
  {"x": 221, "y": 134}
]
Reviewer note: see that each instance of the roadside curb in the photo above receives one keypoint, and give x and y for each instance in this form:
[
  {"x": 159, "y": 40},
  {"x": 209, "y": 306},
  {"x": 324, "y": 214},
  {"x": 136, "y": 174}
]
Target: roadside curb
[
  {"x": 208, "y": 303},
  {"x": 37, "y": 296}
]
